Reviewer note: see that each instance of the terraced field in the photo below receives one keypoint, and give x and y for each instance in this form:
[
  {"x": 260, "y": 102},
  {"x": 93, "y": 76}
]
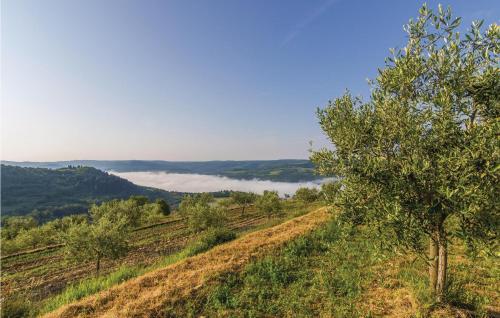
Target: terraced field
[
  {"x": 151, "y": 294},
  {"x": 43, "y": 273}
]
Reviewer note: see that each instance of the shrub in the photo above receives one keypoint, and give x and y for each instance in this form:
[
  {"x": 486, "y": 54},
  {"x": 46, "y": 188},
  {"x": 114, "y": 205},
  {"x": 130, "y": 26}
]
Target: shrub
[
  {"x": 269, "y": 203},
  {"x": 306, "y": 195},
  {"x": 163, "y": 206},
  {"x": 201, "y": 214},
  {"x": 104, "y": 238},
  {"x": 211, "y": 238},
  {"x": 16, "y": 306},
  {"x": 243, "y": 199}
]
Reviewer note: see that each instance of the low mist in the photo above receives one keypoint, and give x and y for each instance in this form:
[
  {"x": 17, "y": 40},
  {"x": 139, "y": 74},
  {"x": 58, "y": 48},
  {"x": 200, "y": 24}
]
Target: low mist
[{"x": 208, "y": 183}]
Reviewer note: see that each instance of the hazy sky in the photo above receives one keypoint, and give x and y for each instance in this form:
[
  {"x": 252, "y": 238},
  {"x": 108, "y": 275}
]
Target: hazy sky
[{"x": 188, "y": 79}]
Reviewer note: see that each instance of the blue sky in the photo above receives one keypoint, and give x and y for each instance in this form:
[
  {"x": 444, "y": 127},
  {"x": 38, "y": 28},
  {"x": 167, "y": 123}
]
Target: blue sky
[{"x": 186, "y": 79}]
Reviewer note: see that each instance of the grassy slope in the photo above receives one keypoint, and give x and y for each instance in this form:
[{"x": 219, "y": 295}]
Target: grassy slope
[
  {"x": 47, "y": 281},
  {"x": 153, "y": 293},
  {"x": 330, "y": 272},
  {"x": 339, "y": 272}
]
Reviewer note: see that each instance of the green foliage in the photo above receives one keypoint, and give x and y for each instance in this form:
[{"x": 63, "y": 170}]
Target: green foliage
[
  {"x": 105, "y": 237},
  {"x": 243, "y": 199},
  {"x": 127, "y": 211},
  {"x": 47, "y": 194},
  {"x": 225, "y": 203},
  {"x": 38, "y": 236},
  {"x": 139, "y": 200},
  {"x": 329, "y": 191},
  {"x": 163, "y": 206},
  {"x": 269, "y": 203},
  {"x": 16, "y": 307},
  {"x": 133, "y": 212},
  {"x": 211, "y": 238},
  {"x": 425, "y": 147},
  {"x": 203, "y": 217},
  {"x": 201, "y": 214},
  {"x": 35, "y": 236},
  {"x": 306, "y": 195},
  {"x": 13, "y": 225},
  {"x": 191, "y": 200}
]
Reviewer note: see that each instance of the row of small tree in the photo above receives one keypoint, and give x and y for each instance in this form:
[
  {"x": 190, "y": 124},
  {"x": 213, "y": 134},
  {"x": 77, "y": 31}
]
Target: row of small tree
[
  {"x": 101, "y": 233},
  {"x": 106, "y": 233},
  {"x": 202, "y": 212}
]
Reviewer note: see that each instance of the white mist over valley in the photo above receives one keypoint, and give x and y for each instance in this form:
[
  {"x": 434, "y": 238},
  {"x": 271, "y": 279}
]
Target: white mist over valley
[{"x": 209, "y": 183}]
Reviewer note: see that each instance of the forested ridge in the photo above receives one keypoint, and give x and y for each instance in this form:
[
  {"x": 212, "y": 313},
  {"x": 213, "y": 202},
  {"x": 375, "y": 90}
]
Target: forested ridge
[
  {"x": 51, "y": 193},
  {"x": 285, "y": 170}
]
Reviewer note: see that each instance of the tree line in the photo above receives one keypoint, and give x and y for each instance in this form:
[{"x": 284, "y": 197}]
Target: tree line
[
  {"x": 24, "y": 232},
  {"x": 103, "y": 233}
]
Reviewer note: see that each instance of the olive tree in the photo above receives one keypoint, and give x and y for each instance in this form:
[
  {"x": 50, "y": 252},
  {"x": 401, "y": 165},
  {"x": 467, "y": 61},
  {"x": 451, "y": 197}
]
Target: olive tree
[
  {"x": 13, "y": 225},
  {"x": 306, "y": 195},
  {"x": 103, "y": 238},
  {"x": 225, "y": 203},
  {"x": 200, "y": 213},
  {"x": 243, "y": 199},
  {"x": 38, "y": 236},
  {"x": 128, "y": 211},
  {"x": 423, "y": 152},
  {"x": 329, "y": 190},
  {"x": 269, "y": 203},
  {"x": 163, "y": 206},
  {"x": 188, "y": 201}
]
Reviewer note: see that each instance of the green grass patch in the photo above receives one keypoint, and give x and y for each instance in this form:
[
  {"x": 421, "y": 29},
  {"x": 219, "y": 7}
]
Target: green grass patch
[
  {"x": 471, "y": 285},
  {"x": 90, "y": 286},
  {"x": 211, "y": 238},
  {"x": 320, "y": 274}
]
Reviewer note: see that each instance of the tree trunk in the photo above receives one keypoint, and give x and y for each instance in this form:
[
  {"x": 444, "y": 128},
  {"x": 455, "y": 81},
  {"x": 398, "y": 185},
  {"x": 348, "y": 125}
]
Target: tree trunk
[
  {"x": 442, "y": 265},
  {"x": 433, "y": 262},
  {"x": 98, "y": 265}
]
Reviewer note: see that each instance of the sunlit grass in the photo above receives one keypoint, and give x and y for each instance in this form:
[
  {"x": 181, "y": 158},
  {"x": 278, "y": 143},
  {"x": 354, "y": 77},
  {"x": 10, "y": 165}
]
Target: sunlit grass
[{"x": 93, "y": 285}]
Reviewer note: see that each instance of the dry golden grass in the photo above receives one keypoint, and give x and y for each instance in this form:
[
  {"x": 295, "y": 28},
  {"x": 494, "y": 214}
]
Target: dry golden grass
[
  {"x": 149, "y": 295},
  {"x": 386, "y": 296}
]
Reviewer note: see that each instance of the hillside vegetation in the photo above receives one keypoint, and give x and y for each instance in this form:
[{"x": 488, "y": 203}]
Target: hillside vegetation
[
  {"x": 408, "y": 228},
  {"x": 310, "y": 266},
  {"x": 52, "y": 193},
  {"x": 274, "y": 170},
  {"x": 153, "y": 293},
  {"x": 42, "y": 279}
]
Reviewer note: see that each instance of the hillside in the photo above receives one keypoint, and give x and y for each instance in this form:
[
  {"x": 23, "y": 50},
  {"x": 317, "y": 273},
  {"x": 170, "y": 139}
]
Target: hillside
[
  {"x": 63, "y": 191},
  {"x": 151, "y": 294},
  {"x": 48, "y": 281},
  {"x": 310, "y": 266},
  {"x": 286, "y": 170}
]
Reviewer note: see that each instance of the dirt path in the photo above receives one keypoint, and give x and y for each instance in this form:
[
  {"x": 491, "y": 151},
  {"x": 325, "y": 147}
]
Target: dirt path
[{"x": 148, "y": 295}]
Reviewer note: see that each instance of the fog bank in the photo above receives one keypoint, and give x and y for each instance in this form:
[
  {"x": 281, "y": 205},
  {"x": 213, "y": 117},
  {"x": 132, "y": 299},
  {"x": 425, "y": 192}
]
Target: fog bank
[{"x": 208, "y": 183}]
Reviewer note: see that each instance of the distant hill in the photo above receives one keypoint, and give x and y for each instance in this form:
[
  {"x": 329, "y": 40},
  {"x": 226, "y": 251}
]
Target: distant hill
[
  {"x": 63, "y": 191},
  {"x": 286, "y": 170}
]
